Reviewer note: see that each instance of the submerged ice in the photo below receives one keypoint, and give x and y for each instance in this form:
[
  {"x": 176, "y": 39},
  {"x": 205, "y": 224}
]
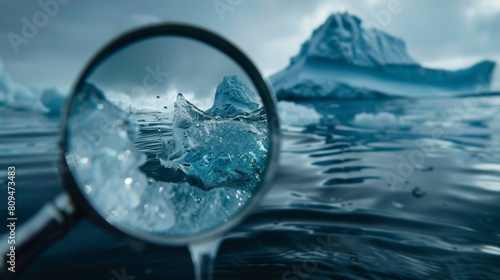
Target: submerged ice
[
  {"x": 224, "y": 147},
  {"x": 221, "y": 157}
]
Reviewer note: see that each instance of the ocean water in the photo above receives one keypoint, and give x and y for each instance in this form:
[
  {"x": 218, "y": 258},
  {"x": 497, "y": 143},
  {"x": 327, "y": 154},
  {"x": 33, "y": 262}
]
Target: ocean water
[{"x": 332, "y": 212}]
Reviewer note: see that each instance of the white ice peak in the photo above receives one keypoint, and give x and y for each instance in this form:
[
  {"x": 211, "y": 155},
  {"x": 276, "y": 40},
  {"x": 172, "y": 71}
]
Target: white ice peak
[
  {"x": 233, "y": 97},
  {"x": 343, "y": 39}
]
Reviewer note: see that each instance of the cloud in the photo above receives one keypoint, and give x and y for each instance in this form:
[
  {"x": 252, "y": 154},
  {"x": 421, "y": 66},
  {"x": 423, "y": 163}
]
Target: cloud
[
  {"x": 144, "y": 19},
  {"x": 269, "y": 31},
  {"x": 164, "y": 67}
]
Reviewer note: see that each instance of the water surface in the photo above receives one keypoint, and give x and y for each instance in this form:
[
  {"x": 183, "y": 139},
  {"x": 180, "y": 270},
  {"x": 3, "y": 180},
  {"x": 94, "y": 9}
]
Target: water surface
[{"x": 331, "y": 214}]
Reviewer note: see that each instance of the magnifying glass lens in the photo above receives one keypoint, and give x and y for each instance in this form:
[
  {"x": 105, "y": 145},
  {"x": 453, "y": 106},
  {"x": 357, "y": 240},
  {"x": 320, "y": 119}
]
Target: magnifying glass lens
[{"x": 167, "y": 136}]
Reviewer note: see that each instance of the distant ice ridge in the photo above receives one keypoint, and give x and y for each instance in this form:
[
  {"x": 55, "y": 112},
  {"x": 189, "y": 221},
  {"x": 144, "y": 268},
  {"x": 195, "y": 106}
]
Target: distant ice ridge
[
  {"x": 225, "y": 147},
  {"x": 20, "y": 97},
  {"x": 106, "y": 164},
  {"x": 344, "y": 60}
]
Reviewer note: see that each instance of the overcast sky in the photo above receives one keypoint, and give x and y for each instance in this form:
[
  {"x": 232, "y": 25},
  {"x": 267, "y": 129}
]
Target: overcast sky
[
  {"x": 446, "y": 33},
  {"x": 150, "y": 73}
]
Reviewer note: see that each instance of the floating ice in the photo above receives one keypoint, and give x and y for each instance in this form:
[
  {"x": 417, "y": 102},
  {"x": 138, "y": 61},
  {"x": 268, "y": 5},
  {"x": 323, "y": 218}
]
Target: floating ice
[
  {"x": 233, "y": 97},
  {"x": 297, "y": 115},
  {"x": 16, "y": 96},
  {"x": 379, "y": 120},
  {"x": 343, "y": 59},
  {"x": 53, "y": 100},
  {"x": 222, "y": 159},
  {"x": 217, "y": 151},
  {"x": 106, "y": 164}
]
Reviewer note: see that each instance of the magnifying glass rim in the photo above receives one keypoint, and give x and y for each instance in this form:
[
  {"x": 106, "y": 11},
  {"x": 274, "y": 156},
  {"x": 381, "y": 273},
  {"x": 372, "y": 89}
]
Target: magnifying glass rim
[{"x": 265, "y": 92}]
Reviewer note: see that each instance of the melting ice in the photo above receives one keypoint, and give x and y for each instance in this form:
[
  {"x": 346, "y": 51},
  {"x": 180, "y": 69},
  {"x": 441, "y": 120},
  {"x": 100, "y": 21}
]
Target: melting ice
[
  {"x": 225, "y": 149},
  {"x": 221, "y": 153}
]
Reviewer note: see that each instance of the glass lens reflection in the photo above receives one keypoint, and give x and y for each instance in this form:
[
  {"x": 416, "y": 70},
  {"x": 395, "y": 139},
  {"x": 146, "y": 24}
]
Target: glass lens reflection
[{"x": 168, "y": 136}]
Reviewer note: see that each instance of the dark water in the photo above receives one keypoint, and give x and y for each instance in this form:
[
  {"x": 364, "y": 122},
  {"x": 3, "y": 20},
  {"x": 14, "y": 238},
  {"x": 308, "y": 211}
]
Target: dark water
[{"x": 331, "y": 213}]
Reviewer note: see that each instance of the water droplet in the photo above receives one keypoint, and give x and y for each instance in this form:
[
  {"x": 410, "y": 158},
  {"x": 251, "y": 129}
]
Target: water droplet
[
  {"x": 84, "y": 160},
  {"x": 88, "y": 189},
  {"x": 397, "y": 205},
  {"x": 100, "y": 106},
  {"x": 129, "y": 180},
  {"x": 198, "y": 199}
]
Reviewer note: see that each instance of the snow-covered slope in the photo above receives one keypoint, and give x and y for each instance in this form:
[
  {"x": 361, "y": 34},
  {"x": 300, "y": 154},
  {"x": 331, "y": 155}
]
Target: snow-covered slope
[{"x": 344, "y": 60}]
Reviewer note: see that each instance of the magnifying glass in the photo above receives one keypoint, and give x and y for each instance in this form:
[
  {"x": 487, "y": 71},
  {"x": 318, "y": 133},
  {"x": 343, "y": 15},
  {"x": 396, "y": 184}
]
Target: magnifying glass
[{"x": 170, "y": 137}]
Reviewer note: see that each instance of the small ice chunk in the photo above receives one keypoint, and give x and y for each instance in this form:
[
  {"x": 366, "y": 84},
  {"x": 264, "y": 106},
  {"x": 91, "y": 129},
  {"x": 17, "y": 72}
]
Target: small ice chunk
[
  {"x": 379, "y": 120},
  {"x": 297, "y": 115},
  {"x": 216, "y": 152}
]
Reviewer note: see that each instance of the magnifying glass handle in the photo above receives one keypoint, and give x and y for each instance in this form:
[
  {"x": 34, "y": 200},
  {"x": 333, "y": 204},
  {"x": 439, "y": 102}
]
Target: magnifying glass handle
[{"x": 50, "y": 224}]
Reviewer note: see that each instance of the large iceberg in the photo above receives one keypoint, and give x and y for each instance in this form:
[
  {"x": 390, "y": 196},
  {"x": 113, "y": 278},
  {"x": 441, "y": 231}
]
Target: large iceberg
[
  {"x": 344, "y": 60},
  {"x": 226, "y": 146}
]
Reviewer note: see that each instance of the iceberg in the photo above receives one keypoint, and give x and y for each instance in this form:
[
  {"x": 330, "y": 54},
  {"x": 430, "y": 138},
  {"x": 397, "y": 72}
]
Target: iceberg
[
  {"x": 344, "y": 60},
  {"x": 53, "y": 100},
  {"x": 226, "y": 146},
  {"x": 221, "y": 159},
  {"x": 19, "y": 97},
  {"x": 293, "y": 114},
  {"x": 233, "y": 97}
]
